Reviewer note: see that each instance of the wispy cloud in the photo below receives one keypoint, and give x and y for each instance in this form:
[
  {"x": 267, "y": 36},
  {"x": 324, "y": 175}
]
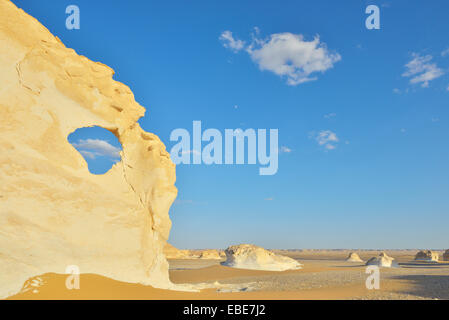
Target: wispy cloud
[
  {"x": 445, "y": 53},
  {"x": 330, "y": 115},
  {"x": 327, "y": 139},
  {"x": 93, "y": 148},
  {"x": 269, "y": 199},
  {"x": 229, "y": 42},
  {"x": 284, "y": 149},
  {"x": 286, "y": 54},
  {"x": 421, "y": 70}
]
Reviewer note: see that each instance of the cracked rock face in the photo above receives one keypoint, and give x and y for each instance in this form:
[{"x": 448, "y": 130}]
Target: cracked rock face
[{"x": 53, "y": 212}]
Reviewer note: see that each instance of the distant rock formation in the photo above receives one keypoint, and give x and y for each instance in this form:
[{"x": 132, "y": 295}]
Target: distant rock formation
[
  {"x": 53, "y": 211},
  {"x": 446, "y": 255},
  {"x": 383, "y": 260},
  {"x": 172, "y": 252},
  {"x": 247, "y": 256},
  {"x": 353, "y": 257},
  {"x": 210, "y": 254},
  {"x": 427, "y": 255}
]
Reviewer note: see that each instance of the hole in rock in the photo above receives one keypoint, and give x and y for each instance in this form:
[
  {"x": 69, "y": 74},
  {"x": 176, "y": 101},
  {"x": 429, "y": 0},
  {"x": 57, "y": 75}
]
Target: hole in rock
[{"x": 99, "y": 147}]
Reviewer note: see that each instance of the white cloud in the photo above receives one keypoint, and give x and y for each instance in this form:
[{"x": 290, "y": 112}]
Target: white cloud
[
  {"x": 421, "y": 70},
  {"x": 269, "y": 199},
  {"x": 327, "y": 139},
  {"x": 289, "y": 55},
  {"x": 88, "y": 154},
  {"x": 286, "y": 54},
  {"x": 445, "y": 53},
  {"x": 229, "y": 42},
  {"x": 397, "y": 91},
  {"x": 284, "y": 149},
  {"x": 92, "y": 148},
  {"x": 330, "y": 115}
]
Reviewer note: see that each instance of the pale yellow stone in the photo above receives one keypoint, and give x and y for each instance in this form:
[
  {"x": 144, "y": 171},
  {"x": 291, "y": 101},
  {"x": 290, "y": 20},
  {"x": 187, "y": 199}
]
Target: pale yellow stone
[{"x": 53, "y": 212}]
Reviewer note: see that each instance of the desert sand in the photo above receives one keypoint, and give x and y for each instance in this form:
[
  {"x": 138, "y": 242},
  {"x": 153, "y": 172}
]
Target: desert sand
[{"x": 325, "y": 275}]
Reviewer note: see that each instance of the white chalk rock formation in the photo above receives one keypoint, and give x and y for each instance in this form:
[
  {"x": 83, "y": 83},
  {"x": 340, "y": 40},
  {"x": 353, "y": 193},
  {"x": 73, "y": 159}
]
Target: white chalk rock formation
[
  {"x": 210, "y": 254},
  {"x": 353, "y": 257},
  {"x": 427, "y": 255},
  {"x": 172, "y": 252},
  {"x": 53, "y": 212},
  {"x": 383, "y": 260},
  {"x": 446, "y": 255},
  {"x": 247, "y": 256}
]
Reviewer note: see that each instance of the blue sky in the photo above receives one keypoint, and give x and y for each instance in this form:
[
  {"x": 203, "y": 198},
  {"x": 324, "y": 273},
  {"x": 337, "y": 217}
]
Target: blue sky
[{"x": 383, "y": 94}]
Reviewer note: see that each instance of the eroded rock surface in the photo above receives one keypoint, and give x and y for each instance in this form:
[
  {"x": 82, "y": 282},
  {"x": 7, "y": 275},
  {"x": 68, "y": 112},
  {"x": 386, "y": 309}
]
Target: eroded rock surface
[
  {"x": 248, "y": 256},
  {"x": 172, "y": 252},
  {"x": 53, "y": 212},
  {"x": 427, "y": 255},
  {"x": 211, "y": 254},
  {"x": 383, "y": 260},
  {"x": 446, "y": 255},
  {"x": 353, "y": 257}
]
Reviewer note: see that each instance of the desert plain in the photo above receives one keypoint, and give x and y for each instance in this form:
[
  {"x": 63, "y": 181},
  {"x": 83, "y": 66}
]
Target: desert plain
[{"x": 325, "y": 274}]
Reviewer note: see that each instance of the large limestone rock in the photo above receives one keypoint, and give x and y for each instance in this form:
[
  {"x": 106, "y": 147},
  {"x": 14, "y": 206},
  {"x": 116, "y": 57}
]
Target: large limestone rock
[
  {"x": 383, "y": 260},
  {"x": 53, "y": 212},
  {"x": 427, "y": 255},
  {"x": 247, "y": 256},
  {"x": 446, "y": 255},
  {"x": 353, "y": 257}
]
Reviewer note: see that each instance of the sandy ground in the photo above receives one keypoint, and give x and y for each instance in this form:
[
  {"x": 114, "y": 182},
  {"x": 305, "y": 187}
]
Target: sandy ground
[{"x": 325, "y": 275}]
